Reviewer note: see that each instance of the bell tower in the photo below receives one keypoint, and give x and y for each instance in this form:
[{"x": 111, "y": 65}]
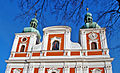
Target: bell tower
[
  {"x": 94, "y": 43},
  {"x": 24, "y": 41},
  {"x": 92, "y": 36},
  {"x": 33, "y": 28}
]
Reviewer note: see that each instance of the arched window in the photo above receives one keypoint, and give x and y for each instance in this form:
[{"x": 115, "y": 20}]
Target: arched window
[
  {"x": 55, "y": 45},
  {"x": 22, "y": 48},
  {"x": 53, "y": 72},
  {"x": 93, "y": 45}
]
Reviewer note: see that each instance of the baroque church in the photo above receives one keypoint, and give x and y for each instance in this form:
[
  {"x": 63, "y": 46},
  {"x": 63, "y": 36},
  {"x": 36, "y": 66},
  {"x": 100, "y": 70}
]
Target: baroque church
[{"x": 57, "y": 53}]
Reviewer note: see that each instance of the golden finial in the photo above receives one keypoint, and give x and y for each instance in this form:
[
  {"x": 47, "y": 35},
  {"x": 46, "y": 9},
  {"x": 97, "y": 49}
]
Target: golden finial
[
  {"x": 35, "y": 15},
  {"x": 87, "y": 9}
]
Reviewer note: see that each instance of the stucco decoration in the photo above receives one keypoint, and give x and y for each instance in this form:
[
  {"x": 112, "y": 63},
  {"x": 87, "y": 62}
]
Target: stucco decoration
[{"x": 53, "y": 70}]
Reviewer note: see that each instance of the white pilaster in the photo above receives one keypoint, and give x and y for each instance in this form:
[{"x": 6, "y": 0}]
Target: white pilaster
[
  {"x": 108, "y": 69},
  {"x": 25, "y": 69},
  {"x": 85, "y": 69},
  {"x": 41, "y": 70},
  {"x": 66, "y": 70},
  {"x": 8, "y": 69},
  {"x": 79, "y": 69},
  {"x": 30, "y": 70}
]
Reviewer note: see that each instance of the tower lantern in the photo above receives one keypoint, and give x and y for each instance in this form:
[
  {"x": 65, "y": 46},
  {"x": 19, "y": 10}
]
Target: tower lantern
[
  {"x": 89, "y": 21},
  {"x": 33, "y": 28},
  {"x": 88, "y": 18},
  {"x": 34, "y": 22}
]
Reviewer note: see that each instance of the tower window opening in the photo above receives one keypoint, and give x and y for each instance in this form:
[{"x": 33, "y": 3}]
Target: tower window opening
[
  {"x": 55, "y": 45},
  {"x": 34, "y": 25},
  {"x": 22, "y": 48},
  {"x": 93, "y": 45},
  {"x": 89, "y": 20}
]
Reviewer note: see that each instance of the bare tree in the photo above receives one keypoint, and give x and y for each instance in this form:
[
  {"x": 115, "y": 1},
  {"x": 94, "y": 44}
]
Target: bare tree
[
  {"x": 69, "y": 9},
  {"x": 107, "y": 12}
]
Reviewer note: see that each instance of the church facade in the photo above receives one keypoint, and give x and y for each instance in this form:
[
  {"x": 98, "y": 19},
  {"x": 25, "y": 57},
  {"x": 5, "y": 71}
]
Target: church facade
[{"x": 57, "y": 53}]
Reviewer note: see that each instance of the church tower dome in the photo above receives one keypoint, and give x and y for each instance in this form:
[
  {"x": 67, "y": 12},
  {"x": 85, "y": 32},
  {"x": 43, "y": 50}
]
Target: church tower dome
[
  {"x": 33, "y": 28},
  {"x": 33, "y": 23},
  {"x": 88, "y": 19}
]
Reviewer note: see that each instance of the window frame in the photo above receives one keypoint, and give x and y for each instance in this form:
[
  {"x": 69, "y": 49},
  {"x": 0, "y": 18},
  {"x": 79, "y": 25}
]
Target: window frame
[
  {"x": 96, "y": 41},
  {"x": 55, "y": 39},
  {"x": 54, "y": 43},
  {"x": 95, "y": 46},
  {"x": 21, "y": 46}
]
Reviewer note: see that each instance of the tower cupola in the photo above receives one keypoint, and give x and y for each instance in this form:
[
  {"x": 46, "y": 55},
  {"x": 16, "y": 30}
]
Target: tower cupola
[
  {"x": 33, "y": 23},
  {"x": 88, "y": 18},
  {"x": 33, "y": 28},
  {"x": 89, "y": 21}
]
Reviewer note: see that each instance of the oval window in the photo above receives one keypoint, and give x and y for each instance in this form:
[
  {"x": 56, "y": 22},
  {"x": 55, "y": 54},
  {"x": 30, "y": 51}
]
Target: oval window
[{"x": 24, "y": 39}]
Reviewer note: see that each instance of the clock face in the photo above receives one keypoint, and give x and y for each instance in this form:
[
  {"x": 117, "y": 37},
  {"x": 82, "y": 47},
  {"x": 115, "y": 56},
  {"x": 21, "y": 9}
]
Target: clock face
[{"x": 92, "y": 36}]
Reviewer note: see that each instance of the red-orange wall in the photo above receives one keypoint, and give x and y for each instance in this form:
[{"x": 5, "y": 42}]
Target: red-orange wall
[
  {"x": 18, "y": 45},
  {"x": 27, "y": 44},
  {"x": 36, "y": 70},
  {"x": 17, "y": 68},
  {"x": 97, "y": 68},
  {"x": 87, "y": 38},
  {"x": 56, "y": 35},
  {"x": 72, "y": 70}
]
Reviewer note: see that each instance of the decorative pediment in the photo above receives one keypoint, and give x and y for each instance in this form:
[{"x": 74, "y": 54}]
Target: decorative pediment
[
  {"x": 53, "y": 70},
  {"x": 96, "y": 70},
  {"x": 16, "y": 70}
]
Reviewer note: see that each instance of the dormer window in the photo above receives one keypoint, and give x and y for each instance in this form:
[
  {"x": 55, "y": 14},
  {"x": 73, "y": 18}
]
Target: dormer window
[
  {"x": 93, "y": 45},
  {"x": 55, "y": 45}
]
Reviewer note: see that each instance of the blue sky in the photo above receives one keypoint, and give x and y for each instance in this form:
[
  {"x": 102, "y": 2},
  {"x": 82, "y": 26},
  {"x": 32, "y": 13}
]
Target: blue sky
[{"x": 9, "y": 26}]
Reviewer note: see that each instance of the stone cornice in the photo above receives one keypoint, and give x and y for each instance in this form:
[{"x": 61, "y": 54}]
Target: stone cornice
[
  {"x": 91, "y": 29},
  {"x": 50, "y": 60},
  {"x": 26, "y": 33},
  {"x": 57, "y": 28}
]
